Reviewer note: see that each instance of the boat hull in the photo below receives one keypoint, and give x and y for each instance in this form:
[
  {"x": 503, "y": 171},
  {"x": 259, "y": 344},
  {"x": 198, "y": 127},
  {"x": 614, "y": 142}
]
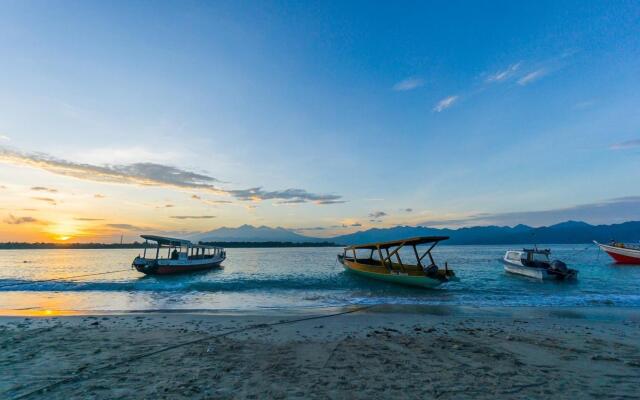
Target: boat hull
[
  {"x": 401, "y": 279},
  {"x": 621, "y": 255},
  {"x": 535, "y": 273},
  {"x": 170, "y": 268}
]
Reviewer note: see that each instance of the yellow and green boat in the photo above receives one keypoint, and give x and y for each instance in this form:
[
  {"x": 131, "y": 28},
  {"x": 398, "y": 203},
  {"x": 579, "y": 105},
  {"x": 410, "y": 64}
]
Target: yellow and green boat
[{"x": 379, "y": 263}]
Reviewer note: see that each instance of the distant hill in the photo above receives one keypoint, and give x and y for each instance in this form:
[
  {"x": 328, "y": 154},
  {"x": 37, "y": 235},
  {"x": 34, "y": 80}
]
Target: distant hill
[
  {"x": 249, "y": 233},
  {"x": 565, "y": 232}
]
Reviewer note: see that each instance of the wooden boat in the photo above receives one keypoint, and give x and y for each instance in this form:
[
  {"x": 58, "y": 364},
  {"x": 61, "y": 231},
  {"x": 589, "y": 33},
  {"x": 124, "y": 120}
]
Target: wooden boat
[
  {"x": 182, "y": 256},
  {"x": 535, "y": 263},
  {"x": 379, "y": 265},
  {"x": 621, "y": 253}
]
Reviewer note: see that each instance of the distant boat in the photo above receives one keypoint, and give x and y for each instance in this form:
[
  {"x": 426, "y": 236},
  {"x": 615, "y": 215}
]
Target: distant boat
[
  {"x": 535, "y": 263},
  {"x": 621, "y": 253},
  {"x": 182, "y": 256},
  {"x": 383, "y": 268}
]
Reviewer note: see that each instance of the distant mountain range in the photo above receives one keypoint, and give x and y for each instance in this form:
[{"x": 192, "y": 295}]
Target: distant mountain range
[
  {"x": 565, "y": 232},
  {"x": 249, "y": 233}
]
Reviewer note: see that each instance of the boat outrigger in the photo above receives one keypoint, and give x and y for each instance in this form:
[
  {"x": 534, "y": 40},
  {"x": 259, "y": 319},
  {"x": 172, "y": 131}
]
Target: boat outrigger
[
  {"x": 182, "y": 256},
  {"x": 535, "y": 263},
  {"x": 621, "y": 253},
  {"x": 380, "y": 266}
]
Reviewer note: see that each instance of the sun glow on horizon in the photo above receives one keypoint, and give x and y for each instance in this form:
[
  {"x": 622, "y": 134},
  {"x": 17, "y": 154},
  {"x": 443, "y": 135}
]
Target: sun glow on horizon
[{"x": 64, "y": 231}]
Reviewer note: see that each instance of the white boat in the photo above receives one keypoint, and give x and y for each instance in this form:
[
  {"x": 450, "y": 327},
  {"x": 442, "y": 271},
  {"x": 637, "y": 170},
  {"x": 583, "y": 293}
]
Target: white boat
[
  {"x": 181, "y": 256},
  {"x": 535, "y": 263},
  {"x": 621, "y": 253}
]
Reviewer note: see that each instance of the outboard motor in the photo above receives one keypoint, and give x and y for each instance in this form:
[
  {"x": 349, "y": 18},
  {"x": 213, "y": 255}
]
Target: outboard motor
[
  {"x": 558, "y": 266},
  {"x": 431, "y": 270}
]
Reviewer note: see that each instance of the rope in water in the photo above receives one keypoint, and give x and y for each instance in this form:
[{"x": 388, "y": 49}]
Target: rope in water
[
  {"x": 62, "y": 279},
  {"x": 151, "y": 353}
]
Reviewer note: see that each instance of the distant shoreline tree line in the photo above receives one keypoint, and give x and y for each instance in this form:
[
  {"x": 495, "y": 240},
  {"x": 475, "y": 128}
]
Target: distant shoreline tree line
[{"x": 138, "y": 245}]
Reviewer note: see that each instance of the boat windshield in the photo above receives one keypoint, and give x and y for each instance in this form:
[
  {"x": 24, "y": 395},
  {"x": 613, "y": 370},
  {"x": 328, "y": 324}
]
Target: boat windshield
[{"x": 540, "y": 257}]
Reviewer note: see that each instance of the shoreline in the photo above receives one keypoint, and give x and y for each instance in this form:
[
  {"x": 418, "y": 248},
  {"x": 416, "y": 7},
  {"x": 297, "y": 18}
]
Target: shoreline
[
  {"x": 599, "y": 312},
  {"x": 361, "y": 353}
]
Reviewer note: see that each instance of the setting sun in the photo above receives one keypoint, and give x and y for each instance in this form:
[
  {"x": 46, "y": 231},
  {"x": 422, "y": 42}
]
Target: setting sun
[{"x": 63, "y": 231}]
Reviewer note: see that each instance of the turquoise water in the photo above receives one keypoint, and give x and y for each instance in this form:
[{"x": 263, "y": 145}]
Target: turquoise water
[{"x": 299, "y": 277}]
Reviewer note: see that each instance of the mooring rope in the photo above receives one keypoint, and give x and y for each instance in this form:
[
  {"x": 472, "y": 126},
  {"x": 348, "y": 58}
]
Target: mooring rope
[{"x": 86, "y": 375}]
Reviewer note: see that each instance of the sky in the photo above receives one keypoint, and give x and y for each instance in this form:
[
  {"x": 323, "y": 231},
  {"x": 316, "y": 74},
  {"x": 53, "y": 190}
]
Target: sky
[{"x": 118, "y": 118}]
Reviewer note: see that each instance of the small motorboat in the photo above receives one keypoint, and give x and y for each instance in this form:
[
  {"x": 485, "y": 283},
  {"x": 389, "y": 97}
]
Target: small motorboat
[
  {"x": 182, "y": 256},
  {"x": 535, "y": 263},
  {"x": 379, "y": 265},
  {"x": 621, "y": 253}
]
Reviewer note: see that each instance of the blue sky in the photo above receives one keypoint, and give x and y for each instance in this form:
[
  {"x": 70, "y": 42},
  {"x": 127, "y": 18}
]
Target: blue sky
[{"x": 463, "y": 113}]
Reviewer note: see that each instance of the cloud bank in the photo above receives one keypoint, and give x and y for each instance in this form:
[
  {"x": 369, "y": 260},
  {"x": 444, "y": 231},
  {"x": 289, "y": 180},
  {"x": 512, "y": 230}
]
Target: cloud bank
[
  {"x": 605, "y": 212},
  {"x": 152, "y": 174}
]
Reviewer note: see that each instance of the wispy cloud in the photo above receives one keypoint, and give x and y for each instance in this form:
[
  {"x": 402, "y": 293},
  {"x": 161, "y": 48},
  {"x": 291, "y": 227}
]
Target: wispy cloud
[
  {"x": 445, "y": 103},
  {"x": 289, "y": 195},
  {"x": 505, "y": 74},
  {"x": 584, "y": 104},
  {"x": 408, "y": 84},
  {"x": 377, "y": 216},
  {"x": 629, "y": 144},
  {"x": 13, "y": 220},
  {"x": 85, "y": 219},
  {"x": 532, "y": 76},
  {"x": 408, "y": 210},
  {"x": 99, "y": 196},
  {"x": 127, "y": 227},
  {"x": 192, "y": 216},
  {"x": 46, "y": 199},
  {"x": 44, "y": 189},
  {"x": 313, "y": 228},
  {"x": 152, "y": 174},
  {"x": 5, "y": 137}
]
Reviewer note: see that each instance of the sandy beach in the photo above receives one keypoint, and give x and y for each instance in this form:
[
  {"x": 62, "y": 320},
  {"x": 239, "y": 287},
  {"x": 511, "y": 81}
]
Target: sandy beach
[{"x": 379, "y": 352}]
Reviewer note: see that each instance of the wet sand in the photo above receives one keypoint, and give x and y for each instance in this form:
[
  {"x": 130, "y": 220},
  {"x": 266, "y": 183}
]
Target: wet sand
[{"x": 375, "y": 353}]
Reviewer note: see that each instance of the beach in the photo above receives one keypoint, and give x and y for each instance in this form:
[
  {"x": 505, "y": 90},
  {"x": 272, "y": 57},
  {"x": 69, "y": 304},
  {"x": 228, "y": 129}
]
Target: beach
[{"x": 353, "y": 352}]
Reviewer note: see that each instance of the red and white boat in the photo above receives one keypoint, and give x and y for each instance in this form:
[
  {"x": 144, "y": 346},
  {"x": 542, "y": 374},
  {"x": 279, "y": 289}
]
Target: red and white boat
[
  {"x": 181, "y": 256},
  {"x": 621, "y": 253}
]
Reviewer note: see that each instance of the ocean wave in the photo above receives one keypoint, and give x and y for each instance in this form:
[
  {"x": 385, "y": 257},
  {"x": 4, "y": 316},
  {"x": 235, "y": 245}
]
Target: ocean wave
[{"x": 182, "y": 285}]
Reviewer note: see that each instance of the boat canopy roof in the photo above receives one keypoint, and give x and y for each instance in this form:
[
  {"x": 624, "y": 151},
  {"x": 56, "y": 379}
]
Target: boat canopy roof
[
  {"x": 167, "y": 241},
  {"x": 403, "y": 242}
]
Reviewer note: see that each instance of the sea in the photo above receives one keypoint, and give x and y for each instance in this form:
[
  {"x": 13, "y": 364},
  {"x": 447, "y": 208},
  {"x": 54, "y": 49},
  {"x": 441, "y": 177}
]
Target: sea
[{"x": 52, "y": 281}]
